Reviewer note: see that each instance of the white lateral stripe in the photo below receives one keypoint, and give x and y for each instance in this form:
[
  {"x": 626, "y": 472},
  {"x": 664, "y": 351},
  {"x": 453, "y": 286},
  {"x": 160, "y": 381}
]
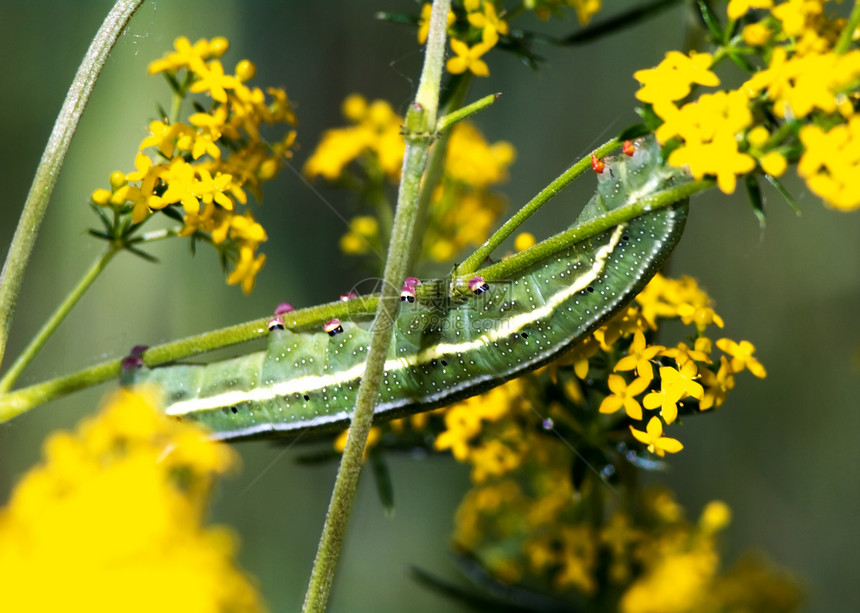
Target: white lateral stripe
[{"x": 311, "y": 383}]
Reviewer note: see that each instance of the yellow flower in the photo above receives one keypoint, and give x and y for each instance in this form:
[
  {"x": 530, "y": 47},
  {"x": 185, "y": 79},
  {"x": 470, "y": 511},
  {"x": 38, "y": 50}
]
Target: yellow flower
[
  {"x": 424, "y": 22},
  {"x": 624, "y": 395},
  {"x": 244, "y": 229},
  {"x": 756, "y": 34},
  {"x": 715, "y": 516},
  {"x": 739, "y": 8},
  {"x": 373, "y": 437},
  {"x": 488, "y": 18},
  {"x": 741, "y": 354},
  {"x": 246, "y": 269},
  {"x": 681, "y": 380},
  {"x": 718, "y": 114},
  {"x": 198, "y": 183},
  {"x": 702, "y": 316},
  {"x": 579, "y": 556},
  {"x": 667, "y": 400},
  {"x": 639, "y": 356},
  {"x": 719, "y": 157},
  {"x": 676, "y": 582},
  {"x": 682, "y": 353},
  {"x": 653, "y": 437},
  {"x": 794, "y": 14},
  {"x": 800, "y": 84},
  {"x": 493, "y": 459},
  {"x": 462, "y": 424},
  {"x": 362, "y": 236},
  {"x": 471, "y": 159},
  {"x": 214, "y": 81},
  {"x": 114, "y": 516},
  {"x": 101, "y": 196},
  {"x": 717, "y": 385},
  {"x": 376, "y": 131},
  {"x": 586, "y": 9},
  {"x": 164, "y": 137},
  {"x": 831, "y": 163},
  {"x": 774, "y": 164},
  {"x": 469, "y": 58},
  {"x": 188, "y": 55},
  {"x": 523, "y": 241},
  {"x": 672, "y": 78},
  {"x": 181, "y": 185}
]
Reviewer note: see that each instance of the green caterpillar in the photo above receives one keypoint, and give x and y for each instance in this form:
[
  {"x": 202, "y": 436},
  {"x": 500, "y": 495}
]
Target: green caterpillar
[{"x": 446, "y": 348}]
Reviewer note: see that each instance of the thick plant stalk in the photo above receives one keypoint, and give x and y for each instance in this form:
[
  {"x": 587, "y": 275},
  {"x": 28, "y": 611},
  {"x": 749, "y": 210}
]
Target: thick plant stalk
[
  {"x": 52, "y": 161},
  {"x": 418, "y": 132}
]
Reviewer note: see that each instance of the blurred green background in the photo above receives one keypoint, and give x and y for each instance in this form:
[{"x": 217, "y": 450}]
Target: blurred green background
[{"x": 782, "y": 453}]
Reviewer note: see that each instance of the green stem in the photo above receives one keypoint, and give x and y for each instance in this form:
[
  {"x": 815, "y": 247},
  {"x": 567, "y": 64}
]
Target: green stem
[
  {"x": 436, "y": 167},
  {"x": 547, "y": 248},
  {"x": 55, "y": 320},
  {"x": 419, "y": 131},
  {"x": 845, "y": 38},
  {"x": 52, "y": 161},
  {"x": 474, "y": 261},
  {"x": 470, "y": 109},
  {"x": 20, "y": 401}
]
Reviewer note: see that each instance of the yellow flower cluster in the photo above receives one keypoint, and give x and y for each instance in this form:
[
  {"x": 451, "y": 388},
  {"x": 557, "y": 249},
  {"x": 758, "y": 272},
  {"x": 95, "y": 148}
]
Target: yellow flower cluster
[
  {"x": 463, "y": 211},
  {"x": 797, "y": 108},
  {"x": 205, "y": 166},
  {"x": 496, "y": 432},
  {"x": 543, "y": 447},
  {"x": 684, "y": 371},
  {"x": 644, "y": 554},
  {"x": 471, "y": 38},
  {"x": 374, "y": 141},
  {"x": 113, "y": 520},
  {"x": 503, "y": 433},
  {"x": 366, "y": 154},
  {"x": 483, "y": 26},
  {"x": 468, "y": 433}
]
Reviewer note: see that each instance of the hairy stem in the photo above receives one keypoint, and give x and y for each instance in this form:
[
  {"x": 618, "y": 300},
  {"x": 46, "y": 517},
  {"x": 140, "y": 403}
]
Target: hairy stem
[
  {"x": 21, "y": 401},
  {"x": 547, "y": 248},
  {"x": 847, "y": 35},
  {"x": 475, "y": 260},
  {"x": 55, "y": 320},
  {"x": 418, "y": 132},
  {"x": 52, "y": 161}
]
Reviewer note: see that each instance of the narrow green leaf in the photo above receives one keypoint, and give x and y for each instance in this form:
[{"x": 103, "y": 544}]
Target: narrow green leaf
[
  {"x": 756, "y": 200},
  {"x": 174, "y": 85},
  {"x": 619, "y": 22},
  {"x": 106, "y": 221},
  {"x": 784, "y": 193},
  {"x": 649, "y": 117},
  {"x": 162, "y": 113},
  {"x": 142, "y": 254},
  {"x": 741, "y": 61},
  {"x": 711, "y": 20},
  {"x": 382, "y": 478},
  {"x": 98, "y": 234},
  {"x": 173, "y": 214}
]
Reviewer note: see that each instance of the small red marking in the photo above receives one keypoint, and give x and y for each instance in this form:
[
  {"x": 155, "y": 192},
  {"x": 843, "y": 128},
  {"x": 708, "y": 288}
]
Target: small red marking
[
  {"x": 333, "y": 327},
  {"x": 628, "y": 148},
  {"x": 284, "y": 307},
  {"x": 597, "y": 164}
]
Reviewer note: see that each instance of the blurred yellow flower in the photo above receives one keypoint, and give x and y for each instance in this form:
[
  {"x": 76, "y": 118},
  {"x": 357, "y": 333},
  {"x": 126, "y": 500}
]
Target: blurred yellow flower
[{"x": 113, "y": 520}]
